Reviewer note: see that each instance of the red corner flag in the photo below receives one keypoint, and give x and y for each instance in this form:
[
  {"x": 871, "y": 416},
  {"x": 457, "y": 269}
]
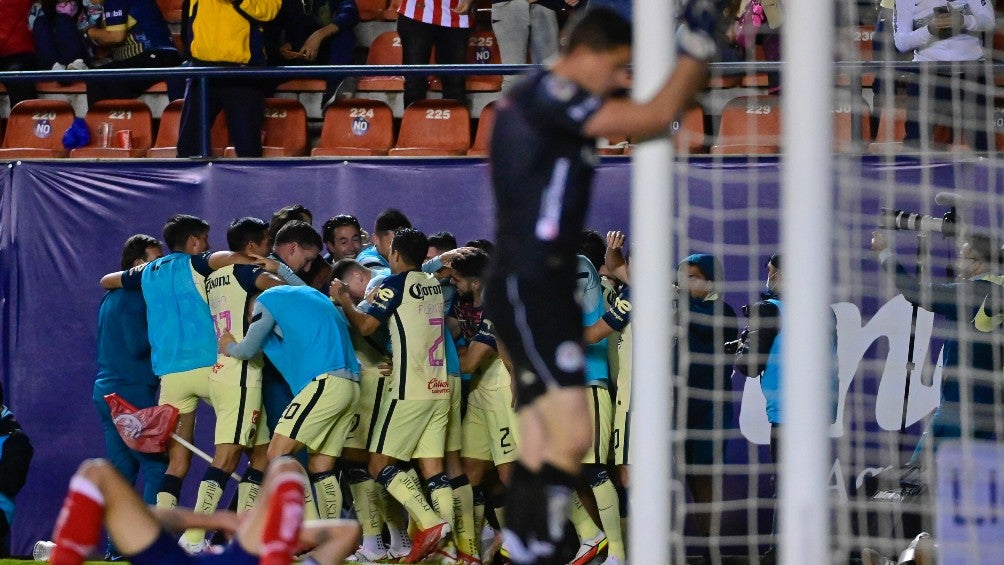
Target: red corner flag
[{"x": 146, "y": 430}]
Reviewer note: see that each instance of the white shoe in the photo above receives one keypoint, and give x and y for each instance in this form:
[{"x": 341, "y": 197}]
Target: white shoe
[
  {"x": 396, "y": 553},
  {"x": 363, "y": 555},
  {"x": 77, "y": 65},
  {"x": 194, "y": 548},
  {"x": 590, "y": 550},
  {"x": 58, "y": 67}
]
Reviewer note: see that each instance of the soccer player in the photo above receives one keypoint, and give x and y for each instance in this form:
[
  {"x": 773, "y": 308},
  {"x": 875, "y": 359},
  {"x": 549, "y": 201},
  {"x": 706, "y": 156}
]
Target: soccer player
[
  {"x": 270, "y": 533},
  {"x": 180, "y": 326},
  {"x": 377, "y": 256},
  {"x": 368, "y": 496},
  {"x": 124, "y": 367},
  {"x": 317, "y": 271},
  {"x": 343, "y": 237},
  {"x": 235, "y": 385},
  {"x": 307, "y": 339},
  {"x": 15, "y": 458},
  {"x": 414, "y": 414},
  {"x": 543, "y": 150}
]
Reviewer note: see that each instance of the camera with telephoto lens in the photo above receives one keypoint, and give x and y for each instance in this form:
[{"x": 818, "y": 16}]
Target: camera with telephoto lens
[{"x": 903, "y": 220}]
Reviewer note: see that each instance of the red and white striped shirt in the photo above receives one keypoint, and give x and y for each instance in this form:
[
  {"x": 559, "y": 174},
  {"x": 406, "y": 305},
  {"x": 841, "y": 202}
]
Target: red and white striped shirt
[{"x": 436, "y": 12}]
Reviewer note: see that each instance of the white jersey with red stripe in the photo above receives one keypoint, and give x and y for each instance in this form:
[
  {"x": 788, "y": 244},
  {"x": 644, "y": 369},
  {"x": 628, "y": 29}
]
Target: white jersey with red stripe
[{"x": 435, "y": 12}]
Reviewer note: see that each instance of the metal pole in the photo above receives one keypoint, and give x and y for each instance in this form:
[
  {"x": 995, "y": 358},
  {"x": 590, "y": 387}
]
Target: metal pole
[
  {"x": 651, "y": 234},
  {"x": 806, "y": 237},
  {"x": 203, "y": 109}
]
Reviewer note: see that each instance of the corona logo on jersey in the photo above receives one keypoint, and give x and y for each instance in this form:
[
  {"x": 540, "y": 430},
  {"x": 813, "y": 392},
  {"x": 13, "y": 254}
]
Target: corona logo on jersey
[
  {"x": 437, "y": 386},
  {"x": 214, "y": 282},
  {"x": 419, "y": 291}
]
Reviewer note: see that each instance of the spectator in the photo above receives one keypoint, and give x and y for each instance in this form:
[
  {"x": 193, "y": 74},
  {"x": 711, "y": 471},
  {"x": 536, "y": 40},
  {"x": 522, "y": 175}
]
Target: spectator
[
  {"x": 424, "y": 24},
  {"x": 17, "y": 48},
  {"x": 15, "y": 457},
  {"x": 139, "y": 38},
  {"x": 56, "y": 27},
  {"x": 297, "y": 37},
  {"x": 227, "y": 34},
  {"x": 519, "y": 25},
  {"x": 938, "y": 31}
]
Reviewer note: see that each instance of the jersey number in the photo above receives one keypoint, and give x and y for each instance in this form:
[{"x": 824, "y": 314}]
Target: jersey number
[
  {"x": 291, "y": 410},
  {"x": 504, "y": 442},
  {"x": 224, "y": 319},
  {"x": 433, "y": 360}
]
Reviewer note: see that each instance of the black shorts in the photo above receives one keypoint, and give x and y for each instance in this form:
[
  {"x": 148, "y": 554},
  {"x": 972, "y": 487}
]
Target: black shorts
[{"x": 540, "y": 326}]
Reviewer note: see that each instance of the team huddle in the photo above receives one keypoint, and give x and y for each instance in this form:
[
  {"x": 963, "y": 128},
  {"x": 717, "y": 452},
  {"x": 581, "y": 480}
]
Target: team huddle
[{"x": 394, "y": 383}]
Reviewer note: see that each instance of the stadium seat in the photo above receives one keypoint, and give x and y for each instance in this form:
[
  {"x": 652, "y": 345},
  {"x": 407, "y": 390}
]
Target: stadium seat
[
  {"x": 482, "y": 49},
  {"x": 130, "y": 114},
  {"x": 434, "y": 127},
  {"x": 371, "y": 9},
  {"x": 857, "y": 46},
  {"x": 891, "y": 127},
  {"x": 385, "y": 50},
  {"x": 165, "y": 146},
  {"x": 688, "y": 132},
  {"x": 843, "y": 140},
  {"x": 303, "y": 85},
  {"x": 356, "y": 127},
  {"x": 56, "y": 87},
  {"x": 483, "y": 137},
  {"x": 35, "y": 129},
  {"x": 285, "y": 129},
  {"x": 755, "y": 79},
  {"x": 171, "y": 9},
  {"x": 611, "y": 146},
  {"x": 749, "y": 125}
]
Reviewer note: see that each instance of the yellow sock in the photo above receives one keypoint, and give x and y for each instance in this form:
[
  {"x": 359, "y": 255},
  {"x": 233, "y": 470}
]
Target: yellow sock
[
  {"x": 464, "y": 529},
  {"x": 365, "y": 499},
  {"x": 208, "y": 499},
  {"x": 409, "y": 493},
  {"x": 247, "y": 494},
  {"x": 309, "y": 507},
  {"x": 583, "y": 522},
  {"x": 329, "y": 497},
  {"x": 442, "y": 503},
  {"x": 500, "y": 515},
  {"x": 166, "y": 500},
  {"x": 608, "y": 505},
  {"x": 479, "y": 517}
]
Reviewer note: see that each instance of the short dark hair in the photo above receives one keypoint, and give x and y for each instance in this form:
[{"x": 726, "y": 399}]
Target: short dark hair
[
  {"x": 984, "y": 246},
  {"x": 593, "y": 247},
  {"x": 343, "y": 267},
  {"x": 483, "y": 244},
  {"x": 775, "y": 260},
  {"x": 180, "y": 227},
  {"x": 339, "y": 221},
  {"x": 443, "y": 240},
  {"x": 284, "y": 215},
  {"x": 411, "y": 244},
  {"x": 392, "y": 219},
  {"x": 471, "y": 265},
  {"x": 600, "y": 30},
  {"x": 299, "y": 232},
  {"x": 243, "y": 231},
  {"x": 135, "y": 248}
]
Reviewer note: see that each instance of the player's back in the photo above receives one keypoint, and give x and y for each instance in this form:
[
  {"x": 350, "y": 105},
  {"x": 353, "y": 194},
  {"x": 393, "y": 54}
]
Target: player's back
[
  {"x": 542, "y": 169},
  {"x": 123, "y": 344},
  {"x": 230, "y": 292}
]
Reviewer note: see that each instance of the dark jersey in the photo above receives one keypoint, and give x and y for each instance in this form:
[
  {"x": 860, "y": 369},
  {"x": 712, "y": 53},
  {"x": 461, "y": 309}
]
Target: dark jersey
[{"x": 542, "y": 169}]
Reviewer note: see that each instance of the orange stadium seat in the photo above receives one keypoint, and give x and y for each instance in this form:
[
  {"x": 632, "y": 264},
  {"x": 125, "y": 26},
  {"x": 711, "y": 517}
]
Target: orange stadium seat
[
  {"x": 754, "y": 79},
  {"x": 303, "y": 85},
  {"x": 385, "y": 50},
  {"x": 483, "y": 138},
  {"x": 285, "y": 129},
  {"x": 891, "y": 127},
  {"x": 434, "y": 127},
  {"x": 612, "y": 145},
  {"x": 482, "y": 49},
  {"x": 371, "y": 9},
  {"x": 171, "y": 9},
  {"x": 165, "y": 146},
  {"x": 842, "y": 138},
  {"x": 356, "y": 127},
  {"x": 688, "y": 132},
  {"x": 750, "y": 125},
  {"x": 35, "y": 129},
  {"x": 859, "y": 48},
  {"x": 130, "y": 114}
]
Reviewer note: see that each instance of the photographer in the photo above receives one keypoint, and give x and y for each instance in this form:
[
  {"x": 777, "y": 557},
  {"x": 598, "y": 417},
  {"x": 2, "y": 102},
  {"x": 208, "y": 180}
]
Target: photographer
[{"x": 971, "y": 304}]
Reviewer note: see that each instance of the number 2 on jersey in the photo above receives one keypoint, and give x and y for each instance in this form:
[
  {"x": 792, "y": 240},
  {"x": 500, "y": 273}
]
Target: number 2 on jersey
[{"x": 433, "y": 360}]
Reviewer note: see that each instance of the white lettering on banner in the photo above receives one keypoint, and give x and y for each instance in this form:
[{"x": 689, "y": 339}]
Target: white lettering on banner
[{"x": 891, "y": 322}]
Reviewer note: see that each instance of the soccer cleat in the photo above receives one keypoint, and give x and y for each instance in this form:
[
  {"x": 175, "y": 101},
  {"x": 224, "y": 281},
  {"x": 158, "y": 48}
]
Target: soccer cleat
[
  {"x": 427, "y": 541},
  {"x": 194, "y": 548},
  {"x": 590, "y": 549},
  {"x": 396, "y": 554},
  {"x": 363, "y": 555}
]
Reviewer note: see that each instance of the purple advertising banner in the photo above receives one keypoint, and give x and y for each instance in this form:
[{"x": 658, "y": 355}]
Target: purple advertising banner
[{"x": 64, "y": 223}]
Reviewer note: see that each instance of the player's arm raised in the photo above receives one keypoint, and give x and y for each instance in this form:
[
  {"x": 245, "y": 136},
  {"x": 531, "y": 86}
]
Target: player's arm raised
[{"x": 362, "y": 321}]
